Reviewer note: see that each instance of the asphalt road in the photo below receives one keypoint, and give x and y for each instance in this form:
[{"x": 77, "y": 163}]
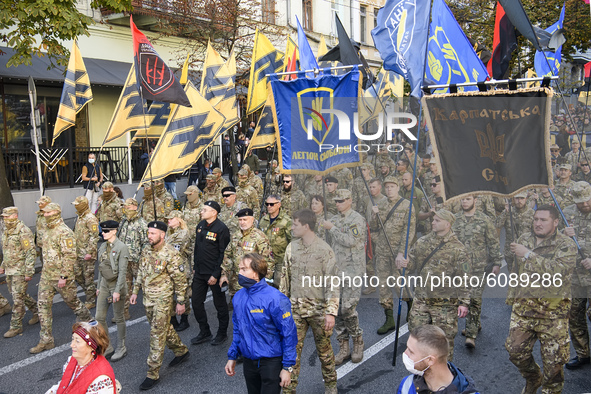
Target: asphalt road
[{"x": 488, "y": 364}]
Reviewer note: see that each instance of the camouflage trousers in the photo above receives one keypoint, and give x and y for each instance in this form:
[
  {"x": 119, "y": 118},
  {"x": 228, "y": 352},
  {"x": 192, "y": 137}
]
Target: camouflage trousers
[
  {"x": 3, "y": 301},
  {"x": 17, "y": 285},
  {"x": 84, "y": 274},
  {"x": 277, "y": 274},
  {"x": 323, "y": 348},
  {"x": 554, "y": 345},
  {"x": 577, "y": 320},
  {"x": 132, "y": 267},
  {"x": 386, "y": 267},
  {"x": 188, "y": 294},
  {"x": 444, "y": 316},
  {"x": 162, "y": 334},
  {"x": 347, "y": 321},
  {"x": 475, "y": 309},
  {"x": 47, "y": 289}
]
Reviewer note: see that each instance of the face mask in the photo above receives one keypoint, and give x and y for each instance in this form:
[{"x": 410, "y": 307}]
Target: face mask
[
  {"x": 52, "y": 220},
  {"x": 81, "y": 208},
  {"x": 91, "y": 161},
  {"x": 410, "y": 365},
  {"x": 108, "y": 195},
  {"x": 242, "y": 182},
  {"x": 160, "y": 189},
  {"x": 246, "y": 282},
  {"x": 192, "y": 197},
  {"x": 129, "y": 213},
  {"x": 147, "y": 194},
  {"x": 10, "y": 223}
]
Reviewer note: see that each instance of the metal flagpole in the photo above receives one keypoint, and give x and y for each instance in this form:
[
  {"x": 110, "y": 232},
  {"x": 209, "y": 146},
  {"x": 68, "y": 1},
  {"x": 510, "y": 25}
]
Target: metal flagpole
[
  {"x": 33, "y": 100},
  {"x": 130, "y": 176},
  {"x": 492, "y": 82},
  {"x": 566, "y": 223}
]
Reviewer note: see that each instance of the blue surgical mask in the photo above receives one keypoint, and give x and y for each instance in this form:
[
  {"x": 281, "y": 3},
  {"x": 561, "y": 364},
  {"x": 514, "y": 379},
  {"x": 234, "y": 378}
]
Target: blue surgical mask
[
  {"x": 91, "y": 161},
  {"x": 246, "y": 282}
]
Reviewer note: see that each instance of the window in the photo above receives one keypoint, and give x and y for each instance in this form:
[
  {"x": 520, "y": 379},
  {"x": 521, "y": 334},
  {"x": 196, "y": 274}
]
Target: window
[
  {"x": 268, "y": 11},
  {"x": 362, "y": 23},
  {"x": 308, "y": 15},
  {"x": 375, "y": 18}
]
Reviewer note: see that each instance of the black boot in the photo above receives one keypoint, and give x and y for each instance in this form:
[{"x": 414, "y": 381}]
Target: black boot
[
  {"x": 174, "y": 322},
  {"x": 578, "y": 362},
  {"x": 184, "y": 324}
]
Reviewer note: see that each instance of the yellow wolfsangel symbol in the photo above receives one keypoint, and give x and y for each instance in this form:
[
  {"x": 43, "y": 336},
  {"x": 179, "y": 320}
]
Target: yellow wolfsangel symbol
[{"x": 317, "y": 105}]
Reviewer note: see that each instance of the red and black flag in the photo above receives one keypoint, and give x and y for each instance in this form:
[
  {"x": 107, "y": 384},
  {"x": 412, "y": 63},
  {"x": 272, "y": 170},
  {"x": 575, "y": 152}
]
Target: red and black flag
[
  {"x": 504, "y": 43},
  {"x": 156, "y": 81}
]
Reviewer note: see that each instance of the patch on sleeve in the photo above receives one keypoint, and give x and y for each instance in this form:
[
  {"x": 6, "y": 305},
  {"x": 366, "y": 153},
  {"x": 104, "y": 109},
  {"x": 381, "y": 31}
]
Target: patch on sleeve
[
  {"x": 354, "y": 230},
  {"x": 182, "y": 268},
  {"x": 286, "y": 315},
  {"x": 69, "y": 242},
  {"x": 25, "y": 243},
  {"x": 94, "y": 227}
]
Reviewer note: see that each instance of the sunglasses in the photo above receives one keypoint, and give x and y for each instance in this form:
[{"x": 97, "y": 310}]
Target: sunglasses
[
  {"x": 553, "y": 150},
  {"x": 286, "y": 181},
  {"x": 227, "y": 195},
  {"x": 434, "y": 184},
  {"x": 339, "y": 201},
  {"x": 270, "y": 204},
  {"x": 107, "y": 230}
]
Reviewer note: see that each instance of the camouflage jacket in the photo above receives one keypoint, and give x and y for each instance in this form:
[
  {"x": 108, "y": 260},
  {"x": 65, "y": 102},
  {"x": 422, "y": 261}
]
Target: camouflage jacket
[
  {"x": 522, "y": 220},
  {"x": 221, "y": 183},
  {"x": 180, "y": 239},
  {"x": 192, "y": 217},
  {"x": 581, "y": 176},
  {"x": 278, "y": 233},
  {"x": 359, "y": 194},
  {"x": 344, "y": 176},
  {"x": 293, "y": 200},
  {"x": 486, "y": 205},
  {"x": 134, "y": 234},
  {"x": 40, "y": 228},
  {"x": 213, "y": 194},
  {"x": 110, "y": 210},
  {"x": 556, "y": 255},
  {"x": 581, "y": 222},
  {"x": 417, "y": 197},
  {"x": 315, "y": 261},
  {"x": 59, "y": 252},
  {"x": 228, "y": 216},
  {"x": 257, "y": 184},
  {"x": 437, "y": 203},
  {"x": 313, "y": 189},
  {"x": 161, "y": 274},
  {"x": 18, "y": 250},
  {"x": 479, "y": 236},
  {"x": 147, "y": 209},
  {"x": 563, "y": 193},
  {"x": 331, "y": 206},
  {"x": 244, "y": 242},
  {"x": 348, "y": 238},
  {"x": 168, "y": 201},
  {"x": 87, "y": 235},
  {"x": 273, "y": 180},
  {"x": 249, "y": 196},
  {"x": 396, "y": 227}
]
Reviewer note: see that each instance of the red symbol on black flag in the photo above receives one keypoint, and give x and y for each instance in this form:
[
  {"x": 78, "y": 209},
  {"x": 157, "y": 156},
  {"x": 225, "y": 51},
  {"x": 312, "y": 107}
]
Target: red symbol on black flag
[{"x": 156, "y": 80}]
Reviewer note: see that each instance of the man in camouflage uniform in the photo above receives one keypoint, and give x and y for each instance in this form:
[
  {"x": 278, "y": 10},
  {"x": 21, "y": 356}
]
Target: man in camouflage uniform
[
  {"x": 220, "y": 182},
  {"x": 248, "y": 240},
  {"x": 246, "y": 194},
  {"x": 110, "y": 207},
  {"x": 434, "y": 203},
  {"x": 277, "y": 227},
  {"x": 161, "y": 276},
  {"x": 255, "y": 182},
  {"x": 312, "y": 306},
  {"x": 562, "y": 188},
  {"x": 57, "y": 275},
  {"x": 585, "y": 172},
  {"x": 543, "y": 197},
  {"x": 385, "y": 168},
  {"x": 574, "y": 155},
  {"x": 394, "y": 214},
  {"x": 273, "y": 179},
  {"x": 332, "y": 185},
  {"x": 192, "y": 210},
  {"x": 230, "y": 209},
  {"x": 87, "y": 237},
  {"x": 314, "y": 188},
  {"x": 4, "y": 306},
  {"x": 348, "y": 232},
  {"x": 375, "y": 189},
  {"x": 292, "y": 198},
  {"x": 402, "y": 167},
  {"x": 523, "y": 218},
  {"x": 40, "y": 224},
  {"x": 440, "y": 306},
  {"x": 359, "y": 191},
  {"x": 478, "y": 234},
  {"x": 541, "y": 313},
  {"x": 579, "y": 220},
  {"x": 344, "y": 177},
  {"x": 18, "y": 263},
  {"x": 133, "y": 232},
  {"x": 152, "y": 207},
  {"x": 406, "y": 189},
  {"x": 164, "y": 196},
  {"x": 211, "y": 191}
]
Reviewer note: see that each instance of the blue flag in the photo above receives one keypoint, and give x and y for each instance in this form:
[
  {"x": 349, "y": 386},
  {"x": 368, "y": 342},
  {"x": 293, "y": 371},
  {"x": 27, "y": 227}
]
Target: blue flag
[
  {"x": 451, "y": 58},
  {"x": 307, "y": 57},
  {"x": 554, "y": 58},
  {"x": 315, "y": 120},
  {"x": 401, "y": 39}
]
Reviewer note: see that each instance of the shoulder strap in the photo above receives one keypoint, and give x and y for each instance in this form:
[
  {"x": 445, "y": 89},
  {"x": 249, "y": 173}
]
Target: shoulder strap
[
  {"x": 430, "y": 255},
  {"x": 393, "y": 209}
]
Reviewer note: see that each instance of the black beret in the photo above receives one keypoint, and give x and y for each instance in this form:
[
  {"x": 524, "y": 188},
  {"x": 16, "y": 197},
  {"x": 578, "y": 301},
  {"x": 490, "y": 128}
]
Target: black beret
[
  {"x": 110, "y": 224},
  {"x": 158, "y": 225},
  {"x": 213, "y": 205},
  {"x": 229, "y": 189},
  {"x": 437, "y": 179},
  {"x": 244, "y": 212},
  {"x": 331, "y": 179}
]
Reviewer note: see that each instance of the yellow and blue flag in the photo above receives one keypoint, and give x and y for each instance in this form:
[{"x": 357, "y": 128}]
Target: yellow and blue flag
[
  {"x": 265, "y": 60},
  {"x": 75, "y": 94},
  {"x": 157, "y": 116},
  {"x": 322, "y": 49},
  {"x": 189, "y": 132},
  {"x": 387, "y": 85},
  {"x": 451, "y": 58},
  {"x": 264, "y": 132},
  {"x": 554, "y": 58}
]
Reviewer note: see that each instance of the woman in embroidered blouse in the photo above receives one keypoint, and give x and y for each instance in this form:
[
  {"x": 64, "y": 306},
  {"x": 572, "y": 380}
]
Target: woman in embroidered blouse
[{"x": 87, "y": 370}]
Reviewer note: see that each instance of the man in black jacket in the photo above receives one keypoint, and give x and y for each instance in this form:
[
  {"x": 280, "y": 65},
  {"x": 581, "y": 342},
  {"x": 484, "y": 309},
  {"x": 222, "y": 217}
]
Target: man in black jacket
[{"x": 212, "y": 237}]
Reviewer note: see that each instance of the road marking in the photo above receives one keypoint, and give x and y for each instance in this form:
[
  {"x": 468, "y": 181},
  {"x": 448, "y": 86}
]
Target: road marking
[{"x": 372, "y": 351}]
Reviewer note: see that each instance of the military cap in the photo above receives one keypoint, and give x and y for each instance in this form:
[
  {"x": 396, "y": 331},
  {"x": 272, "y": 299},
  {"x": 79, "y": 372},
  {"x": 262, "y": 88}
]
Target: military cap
[
  {"x": 131, "y": 201},
  {"x": 107, "y": 185},
  {"x": 229, "y": 189},
  {"x": 217, "y": 170},
  {"x": 366, "y": 166},
  {"x": 54, "y": 206},
  {"x": 214, "y": 205},
  {"x": 147, "y": 185},
  {"x": 331, "y": 179},
  {"x": 575, "y": 141},
  {"x": 109, "y": 224},
  {"x": 174, "y": 214},
  {"x": 192, "y": 189},
  {"x": 433, "y": 161},
  {"x": 521, "y": 195},
  {"x": 79, "y": 200},
  {"x": 159, "y": 182},
  {"x": 565, "y": 166},
  {"x": 243, "y": 171},
  {"x": 342, "y": 194},
  {"x": 246, "y": 167},
  {"x": 446, "y": 215},
  {"x": 554, "y": 146},
  {"x": 244, "y": 212},
  {"x": 9, "y": 211},
  {"x": 211, "y": 177},
  {"x": 581, "y": 192},
  {"x": 157, "y": 224},
  {"x": 274, "y": 162},
  {"x": 43, "y": 200},
  {"x": 391, "y": 179}
]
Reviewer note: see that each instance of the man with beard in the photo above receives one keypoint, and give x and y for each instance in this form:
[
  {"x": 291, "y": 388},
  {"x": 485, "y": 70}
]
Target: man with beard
[
  {"x": 562, "y": 188},
  {"x": 292, "y": 199}
]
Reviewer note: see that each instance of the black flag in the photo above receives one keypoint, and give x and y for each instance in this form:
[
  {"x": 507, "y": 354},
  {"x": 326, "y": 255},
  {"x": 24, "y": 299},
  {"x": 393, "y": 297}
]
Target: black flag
[{"x": 514, "y": 10}]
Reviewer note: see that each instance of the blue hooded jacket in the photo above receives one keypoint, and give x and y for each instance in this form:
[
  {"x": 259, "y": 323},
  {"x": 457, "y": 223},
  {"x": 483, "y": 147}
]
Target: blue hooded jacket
[
  {"x": 461, "y": 384},
  {"x": 263, "y": 325}
]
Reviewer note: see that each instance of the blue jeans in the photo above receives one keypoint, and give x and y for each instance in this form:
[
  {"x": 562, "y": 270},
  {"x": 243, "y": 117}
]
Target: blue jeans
[{"x": 171, "y": 188}]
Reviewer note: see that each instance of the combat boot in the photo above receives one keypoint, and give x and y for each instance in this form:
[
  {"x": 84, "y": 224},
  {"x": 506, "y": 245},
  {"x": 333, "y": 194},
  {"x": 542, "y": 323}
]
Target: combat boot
[
  {"x": 13, "y": 332},
  {"x": 344, "y": 352},
  {"x": 5, "y": 310},
  {"x": 174, "y": 322},
  {"x": 41, "y": 346},
  {"x": 470, "y": 343},
  {"x": 109, "y": 351},
  {"x": 330, "y": 390},
  {"x": 34, "y": 319},
  {"x": 184, "y": 324},
  {"x": 531, "y": 387},
  {"x": 357, "y": 354},
  {"x": 120, "y": 352},
  {"x": 389, "y": 325}
]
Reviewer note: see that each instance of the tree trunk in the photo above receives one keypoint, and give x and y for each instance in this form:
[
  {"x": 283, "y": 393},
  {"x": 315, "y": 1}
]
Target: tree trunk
[{"x": 6, "y": 199}]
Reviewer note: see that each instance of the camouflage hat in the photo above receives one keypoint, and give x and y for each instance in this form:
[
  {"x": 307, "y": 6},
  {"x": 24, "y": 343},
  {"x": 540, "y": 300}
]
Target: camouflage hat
[
  {"x": 159, "y": 182},
  {"x": 446, "y": 215},
  {"x": 554, "y": 146},
  {"x": 174, "y": 214},
  {"x": 107, "y": 185},
  {"x": 575, "y": 141},
  {"x": 54, "y": 206},
  {"x": 131, "y": 201},
  {"x": 211, "y": 177},
  {"x": 521, "y": 195},
  {"x": 581, "y": 192},
  {"x": 390, "y": 179},
  {"x": 246, "y": 167},
  {"x": 433, "y": 161},
  {"x": 192, "y": 189},
  {"x": 217, "y": 170},
  {"x": 342, "y": 194},
  {"x": 44, "y": 200},
  {"x": 565, "y": 166},
  {"x": 243, "y": 172},
  {"x": 9, "y": 211},
  {"x": 79, "y": 200},
  {"x": 366, "y": 166}
]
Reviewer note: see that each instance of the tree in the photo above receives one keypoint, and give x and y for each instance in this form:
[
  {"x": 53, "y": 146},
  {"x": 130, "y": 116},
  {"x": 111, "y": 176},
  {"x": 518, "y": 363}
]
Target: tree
[{"x": 54, "y": 21}]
